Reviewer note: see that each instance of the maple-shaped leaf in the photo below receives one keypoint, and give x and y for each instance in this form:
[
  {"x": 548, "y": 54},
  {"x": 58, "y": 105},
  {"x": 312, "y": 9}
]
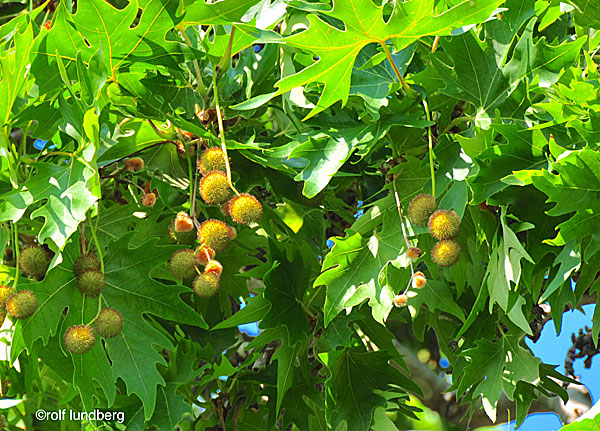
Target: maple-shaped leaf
[
  {"x": 364, "y": 23},
  {"x": 69, "y": 190},
  {"x": 491, "y": 367},
  {"x": 133, "y": 353},
  {"x": 478, "y": 71},
  {"x": 359, "y": 383}
]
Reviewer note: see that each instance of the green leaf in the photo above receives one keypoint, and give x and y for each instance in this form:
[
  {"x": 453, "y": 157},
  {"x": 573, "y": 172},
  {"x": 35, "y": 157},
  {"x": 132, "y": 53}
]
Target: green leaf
[
  {"x": 68, "y": 189},
  {"x": 586, "y": 12},
  {"x": 198, "y": 12},
  {"x": 364, "y": 24},
  {"x": 355, "y": 386},
  {"x": 255, "y": 310},
  {"x": 437, "y": 297},
  {"x": 354, "y": 264}
]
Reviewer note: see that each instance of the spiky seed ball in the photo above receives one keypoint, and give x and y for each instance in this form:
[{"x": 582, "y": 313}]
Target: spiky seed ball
[
  {"x": 134, "y": 164},
  {"x": 84, "y": 262},
  {"x": 204, "y": 255},
  {"x": 214, "y": 267},
  {"x": 183, "y": 264},
  {"x": 34, "y": 261},
  {"x": 22, "y": 304},
  {"x": 5, "y": 293},
  {"x": 446, "y": 252},
  {"x": 91, "y": 282},
  {"x": 109, "y": 323},
  {"x": 400, "y": 300},
  {"x": 149, "y": 199},
  {"x": 212, "y": 159},
  {"x": 225, "y": 208},
  {"x": 80, "y": 339},
  {"x": 414, "y": 253},
  {"x": 245, "y": 209},
  {"x": 444, "y": 224},
  {"x": 214, "y": 234},
  {"x": 419, "y": 280},
  {"x": 214, "y": 188},
  {"x": 421, "y": 208},
  {"x": 206, "y": 285}
]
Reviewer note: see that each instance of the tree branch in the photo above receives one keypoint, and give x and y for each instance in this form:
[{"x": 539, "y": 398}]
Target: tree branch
[{"x": 436, "y": 398}]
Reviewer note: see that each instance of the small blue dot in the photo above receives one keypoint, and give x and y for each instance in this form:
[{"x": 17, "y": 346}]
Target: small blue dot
[
  {"x": 330, "y": 243},
  {"x": 444, "y": 363}
]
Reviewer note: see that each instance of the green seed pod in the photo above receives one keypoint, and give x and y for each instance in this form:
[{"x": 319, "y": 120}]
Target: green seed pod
[
  {"x": 22, "y": 304},
  {"x": 183, "y": 264},
  {"x": 91, "y": 283},
  {"x": 206, "y": 285},
  {"x": 79, "y": 339},
  {"x": 85, "y": 262},
  {"x": 109, "y": 323},
  {"x": 446, "y": 252},
  {"x": 444, "y": 224},
  {"x": 421, "y": 208},
  {"x": 34, "y": 261}
]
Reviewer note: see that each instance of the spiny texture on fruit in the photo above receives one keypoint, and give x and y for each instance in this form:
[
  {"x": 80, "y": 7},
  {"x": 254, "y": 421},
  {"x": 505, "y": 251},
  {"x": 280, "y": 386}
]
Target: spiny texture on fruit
[
  {"x": 91, "y": 282},
  {"x": 214, "y": 188},
  {"x": 214, "y": 267},
  {"x": 421, "y": 208},
  {"x": 5, "y": 292},
  {"x": 414, "y": 253},
  {"x": 400, "y": 300},
  {"x": 206, "y": 285},
  {"x": 109, "y": 323},
  {"x": 245, "y": 209},
  {"x": 446, "y": 252},
  {"x": 183, "y": 264},
  {"x": 80, "y": 339},
  {"x": 34, "y": 261},
  {"x": 149, "y": 199},
  {"x": 22, "y": 304},
  {"x": 419, "y": 280},
  {"x": 444, "y": 224},
  {"x": 134, "y": 164},
  {"x": 204, "y": 255},
  {"x": 212, "y": 159},
  {"x": 214, "y": 234},
  {"x": 84, "y": 262}
]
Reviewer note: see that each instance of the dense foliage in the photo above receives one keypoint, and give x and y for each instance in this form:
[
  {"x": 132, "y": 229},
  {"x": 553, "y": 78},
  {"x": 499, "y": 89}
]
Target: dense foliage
[{"x": 221, "y": 163}]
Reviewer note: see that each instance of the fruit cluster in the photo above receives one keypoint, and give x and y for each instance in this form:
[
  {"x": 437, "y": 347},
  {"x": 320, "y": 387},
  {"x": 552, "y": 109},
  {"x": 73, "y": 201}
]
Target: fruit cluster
[
  {"x": 443, "y": 225},
  {"x": 108, "y": 323},
  {"x": 213, "y": 235}
]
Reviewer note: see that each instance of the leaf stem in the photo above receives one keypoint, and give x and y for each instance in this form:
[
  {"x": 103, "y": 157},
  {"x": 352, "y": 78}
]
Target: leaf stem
[
  {"x": 199, "y": 82},
  {"x": 193, "y": 213},
  {"x": 95, "y": 237},
  {"x": 222, "y": 131},
  {"x": 407, "y": 90},
  {"x": 17, "y": 254},
  {"x": 399, "y": 206},
  {"x": 430, "y": 139}
]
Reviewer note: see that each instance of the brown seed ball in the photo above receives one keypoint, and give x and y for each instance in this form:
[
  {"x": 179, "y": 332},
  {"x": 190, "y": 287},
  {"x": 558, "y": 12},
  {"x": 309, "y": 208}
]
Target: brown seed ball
[
  {"x": 183, "y": 222},
  {"x": 444, "y": 224},
  {"x": 22, "y": 304},
  {"x": 414, "y": 253},
  {"x": 149, "y": 199},
  {"x": 245, "y": 209},
  {"x": 204, "y": 255},
  {"x": 421, "y": 208},
  {"x": 109, "y": 323},
  {"x": 214, "y": 234},
  {"x": 419, "y": 280},
  {"x": 183, "y": 264},
  {"x": 400, "y": 300},
  {"x": 134, "y": 164},
  {"x": 214, "y": 188},
  {"x": 91, "y": 283},
  {"x": 206, "y": 285},
  {"x": 446, "y": 252},
  {"x": 79, "y": 339},
  {"x": 84, "y": 262},
  {"x": 231, "y": 232},
  {"x": 212, "y": 159}
]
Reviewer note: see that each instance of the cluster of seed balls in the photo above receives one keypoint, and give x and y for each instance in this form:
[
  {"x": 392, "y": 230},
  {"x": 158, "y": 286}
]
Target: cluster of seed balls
[
  {"x": 443, "y": 225},
  {"x": 214, "y": 235},
  {"x": 108, "y": 323},
  {"x": 21, "y": 304}
]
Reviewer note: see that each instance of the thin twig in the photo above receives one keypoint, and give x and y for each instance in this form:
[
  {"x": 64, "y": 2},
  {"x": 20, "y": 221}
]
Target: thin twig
[
  {"x": 412, "y": 271},
  {"x": 407, "y": 90},
  {"x": 431, "y": 167},
  {"x": 136, "y": 153}
]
